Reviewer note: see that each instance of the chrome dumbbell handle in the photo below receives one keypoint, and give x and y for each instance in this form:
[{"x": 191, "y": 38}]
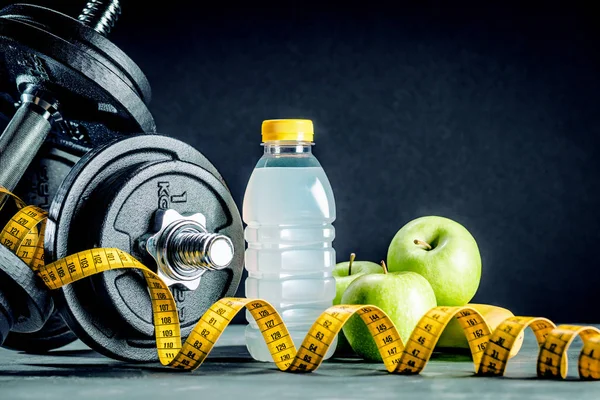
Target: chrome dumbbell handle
[{"x": 25, "y": 134}]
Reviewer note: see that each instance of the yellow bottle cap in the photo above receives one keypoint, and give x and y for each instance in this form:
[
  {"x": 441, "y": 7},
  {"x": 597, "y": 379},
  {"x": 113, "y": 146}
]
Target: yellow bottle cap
[{"x": 287, "y": 129}]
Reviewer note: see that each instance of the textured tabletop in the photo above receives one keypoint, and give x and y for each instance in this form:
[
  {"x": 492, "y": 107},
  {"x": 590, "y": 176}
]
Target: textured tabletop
[{"x": 75, "y": 372}]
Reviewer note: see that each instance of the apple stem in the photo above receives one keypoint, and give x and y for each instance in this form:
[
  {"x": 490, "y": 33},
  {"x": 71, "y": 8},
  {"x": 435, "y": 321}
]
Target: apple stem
[
  {"x": 422, "y": 243},
  {"x": 352, "y": 257},
  {"x": 385, "y": 269}
]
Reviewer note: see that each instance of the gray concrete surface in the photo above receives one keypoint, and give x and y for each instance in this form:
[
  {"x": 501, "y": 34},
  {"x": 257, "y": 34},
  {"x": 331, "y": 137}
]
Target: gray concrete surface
[{"x": 75, "y": 372}]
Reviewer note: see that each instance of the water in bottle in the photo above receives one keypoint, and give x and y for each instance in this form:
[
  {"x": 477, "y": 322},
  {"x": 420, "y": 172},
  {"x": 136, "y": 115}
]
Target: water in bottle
[{"x": 289, "y": 209}]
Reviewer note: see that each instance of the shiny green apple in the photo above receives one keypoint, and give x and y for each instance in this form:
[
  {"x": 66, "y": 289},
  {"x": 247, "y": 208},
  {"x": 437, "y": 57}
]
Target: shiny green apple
[
  {"x": 404, "y": 296},
  {"x": 347, "y": 271},
  {"x": 444, "y": 252}
]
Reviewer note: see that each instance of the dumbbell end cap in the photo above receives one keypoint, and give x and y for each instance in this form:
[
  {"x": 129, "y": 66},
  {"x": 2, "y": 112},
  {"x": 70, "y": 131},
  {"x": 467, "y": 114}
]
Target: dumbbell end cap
[{"x": 220, "y": 251}]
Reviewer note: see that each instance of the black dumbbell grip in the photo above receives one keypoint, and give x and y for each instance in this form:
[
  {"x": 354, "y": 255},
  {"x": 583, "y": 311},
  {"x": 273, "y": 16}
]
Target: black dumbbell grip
[{"x": 21, "y": 141}]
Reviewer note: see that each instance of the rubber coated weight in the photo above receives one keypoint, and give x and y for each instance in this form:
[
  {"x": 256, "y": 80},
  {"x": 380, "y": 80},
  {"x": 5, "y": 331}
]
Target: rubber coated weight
[
  {"x": 90, "y": 85},
  {"x": 109, "y": 199},
  {"x": 28, "y": 299}
]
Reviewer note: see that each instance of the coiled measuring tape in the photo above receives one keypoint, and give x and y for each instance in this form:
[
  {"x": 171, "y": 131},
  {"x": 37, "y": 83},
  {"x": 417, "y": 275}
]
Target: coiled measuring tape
[{"x": 23, "y": 234}]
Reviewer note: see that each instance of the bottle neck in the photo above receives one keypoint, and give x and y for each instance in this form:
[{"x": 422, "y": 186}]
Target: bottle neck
[{"x": 288, "y": 148}]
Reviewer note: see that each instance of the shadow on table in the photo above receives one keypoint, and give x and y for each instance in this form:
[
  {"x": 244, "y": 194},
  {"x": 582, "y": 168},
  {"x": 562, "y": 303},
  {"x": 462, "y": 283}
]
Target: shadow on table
[
  {"x": 237, "y": 354},
  {"x": 233, "y": 359},
  {"x": 83, "y": 353}
]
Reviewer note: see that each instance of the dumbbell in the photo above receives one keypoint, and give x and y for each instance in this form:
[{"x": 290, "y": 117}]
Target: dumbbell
[
  {"x": 73, "y": 90},
  {"x": 163, "y": 202},
  {"x": 160, "y": 200}
]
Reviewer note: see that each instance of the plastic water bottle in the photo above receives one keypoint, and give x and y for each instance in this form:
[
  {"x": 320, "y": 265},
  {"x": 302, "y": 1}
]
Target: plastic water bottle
[{"x": 289, "y": 209}]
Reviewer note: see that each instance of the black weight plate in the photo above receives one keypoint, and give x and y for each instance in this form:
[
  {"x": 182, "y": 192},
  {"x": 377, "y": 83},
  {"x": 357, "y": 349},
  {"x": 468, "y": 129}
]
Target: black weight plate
[
  {"x": 192, "y": 190},
  {"x": 87, "y": 39},
  {"x": 112, "y": 313},
  {"x": 38, "y": 187},
  {"x": 86, "y": 88},
  {"x": 45, "y": 174},
  {"x": 54, "y": 334},
  {"x": 28, "y": 296}
]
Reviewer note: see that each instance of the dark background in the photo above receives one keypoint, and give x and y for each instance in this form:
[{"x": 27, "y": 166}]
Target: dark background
[{"x": 484, "y": 114}]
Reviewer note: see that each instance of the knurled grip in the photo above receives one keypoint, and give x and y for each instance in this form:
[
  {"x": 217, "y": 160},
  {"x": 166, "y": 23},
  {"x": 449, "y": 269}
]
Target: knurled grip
[{"x": 21, "y": 141}]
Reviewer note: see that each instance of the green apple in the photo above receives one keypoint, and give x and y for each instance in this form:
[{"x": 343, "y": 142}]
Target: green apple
[
  {"x": 344, "y": 273},
  {"x": 404, "y": 296},
  {"x": 444, "y": 252}
]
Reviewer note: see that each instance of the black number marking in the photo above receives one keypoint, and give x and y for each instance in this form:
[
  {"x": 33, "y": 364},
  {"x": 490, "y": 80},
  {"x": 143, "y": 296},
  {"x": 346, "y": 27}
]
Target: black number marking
[
  {"x": 478, "y": 333},
  {"x": 220, "y": 311},
  {"x": 280, "y": 347}
]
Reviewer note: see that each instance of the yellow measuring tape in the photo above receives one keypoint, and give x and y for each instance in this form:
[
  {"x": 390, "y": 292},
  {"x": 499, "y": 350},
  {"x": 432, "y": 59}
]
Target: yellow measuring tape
[{"x": 23, "y": 234}]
